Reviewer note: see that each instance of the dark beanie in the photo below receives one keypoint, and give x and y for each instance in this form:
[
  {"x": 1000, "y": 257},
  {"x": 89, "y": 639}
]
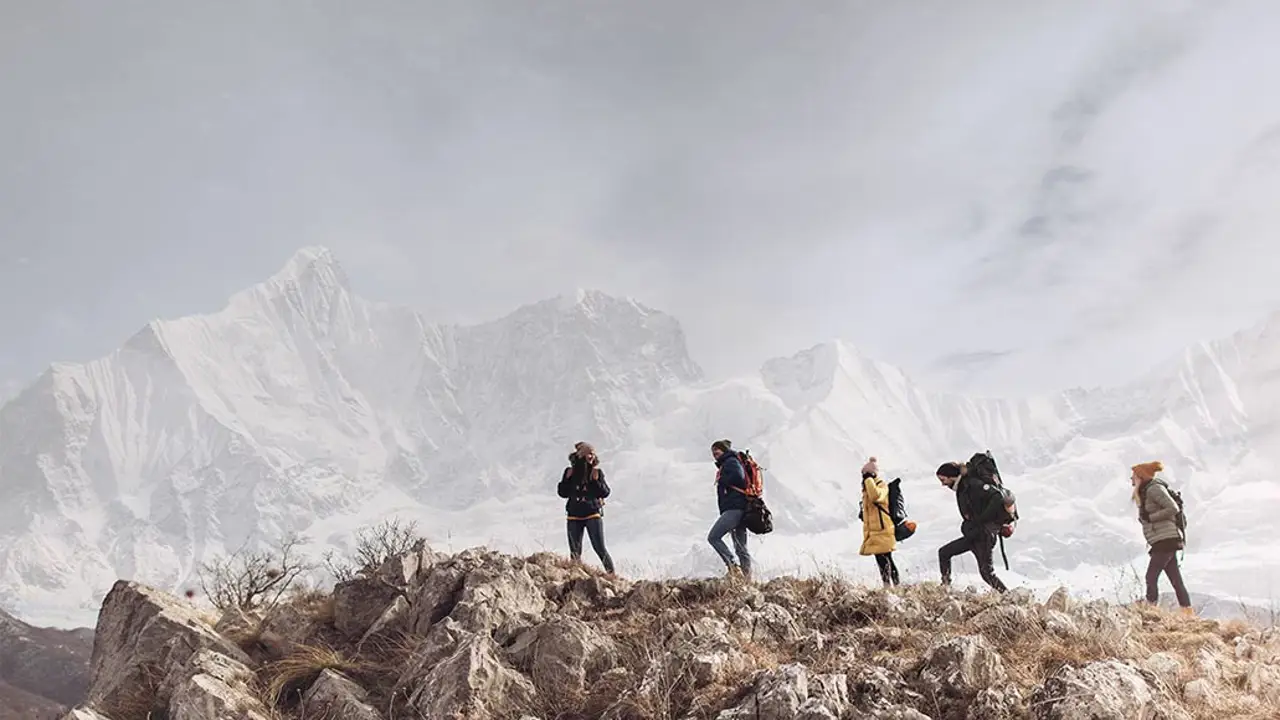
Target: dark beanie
[
  {"x": 721, "y": 445},
  {"x": 949, "y": 470}
]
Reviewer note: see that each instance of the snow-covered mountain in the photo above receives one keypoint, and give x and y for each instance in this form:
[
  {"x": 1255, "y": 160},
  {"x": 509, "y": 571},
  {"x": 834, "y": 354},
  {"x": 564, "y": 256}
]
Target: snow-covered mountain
[{"x": 301, "y": 406}]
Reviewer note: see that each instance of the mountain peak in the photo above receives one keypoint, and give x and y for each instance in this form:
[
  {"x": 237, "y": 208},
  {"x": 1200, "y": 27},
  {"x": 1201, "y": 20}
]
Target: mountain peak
[{"x": 313, "y": 266}]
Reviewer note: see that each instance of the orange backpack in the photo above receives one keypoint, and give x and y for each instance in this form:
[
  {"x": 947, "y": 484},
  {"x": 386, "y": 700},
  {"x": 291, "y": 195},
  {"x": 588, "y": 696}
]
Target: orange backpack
[{"x": 754, "y": 475}]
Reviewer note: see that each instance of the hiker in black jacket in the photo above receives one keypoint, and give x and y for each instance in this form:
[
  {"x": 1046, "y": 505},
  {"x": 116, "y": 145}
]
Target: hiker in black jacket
[
  {"x": 584, "y": 488},
  {"x": 731, "y": 498},
  {"x": 981, "y": 507}
]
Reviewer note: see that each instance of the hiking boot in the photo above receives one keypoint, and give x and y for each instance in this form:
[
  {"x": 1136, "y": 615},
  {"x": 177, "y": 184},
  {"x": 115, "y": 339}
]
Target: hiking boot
[{"x": 1188, "y": 612}]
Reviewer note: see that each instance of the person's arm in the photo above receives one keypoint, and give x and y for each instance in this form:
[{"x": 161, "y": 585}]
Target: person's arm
[
  {"x": 732, "y": 475},
  {"x": 878, "y": 492},
  {"x": 565, "y": 488},
  {"x": 599, "y": 488},
  {"x": 1167, "y": 509}
]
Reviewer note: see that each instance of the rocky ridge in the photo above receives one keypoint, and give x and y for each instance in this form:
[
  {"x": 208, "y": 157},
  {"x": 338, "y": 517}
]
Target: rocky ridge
[
  {"x": 43, "y": 671},
  {"x": 483, "y": 635}
]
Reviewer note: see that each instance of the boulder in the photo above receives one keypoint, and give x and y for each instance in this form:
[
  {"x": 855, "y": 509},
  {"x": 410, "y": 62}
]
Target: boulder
[
  {"x": 790, "y": 692},
  {"x": 961, "y": 667},
  {"x": 335, "y": 696},
  {"x": 1060, "y": 625},
  {"x": 568, "y": 655},
  {"x": 360, "y": 602},
  {"x": 1105, "y": 690},
  {"x": 771, "y": 622},
  {"x": 472, "y": 682},
  {"x": 1263, "y": 681},
  {"x": 1199, "y": 693},
  {"x": 1006, "y": 623},
  {"x": 142, "y": 635},
  {"x": 501, "y": 599},
  {"x": 1166, "y": 668},
  {"x": 211, "y": 686},
  {"x": 996, "y": 703},
  {"x": 1060, "y": 600}
]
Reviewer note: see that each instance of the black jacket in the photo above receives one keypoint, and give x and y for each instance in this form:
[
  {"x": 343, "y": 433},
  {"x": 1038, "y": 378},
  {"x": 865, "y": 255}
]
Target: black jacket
[
  {"x": 584, "y": 490},
  {"x": 981, "y": 507},
  {"x": 731, "y": 481}
]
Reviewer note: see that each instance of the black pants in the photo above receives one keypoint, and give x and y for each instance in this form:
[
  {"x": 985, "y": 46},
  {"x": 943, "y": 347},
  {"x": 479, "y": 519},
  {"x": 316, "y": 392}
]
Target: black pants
[
  {"x": 1166, "y": 560},
  {"x": 983, "y": 547},
  {"x": 595, "y": 531},
  {"x": 888, "y": 571}
]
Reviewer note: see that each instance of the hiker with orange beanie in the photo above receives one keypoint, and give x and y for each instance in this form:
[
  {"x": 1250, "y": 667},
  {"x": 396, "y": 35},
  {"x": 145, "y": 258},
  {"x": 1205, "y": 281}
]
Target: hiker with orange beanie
[
  {"x": 878, "y": 536},
  {"x": 1162, "y": 526}
]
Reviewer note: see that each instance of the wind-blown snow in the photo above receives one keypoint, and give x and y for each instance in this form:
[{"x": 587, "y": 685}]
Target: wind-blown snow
[{"x": 302, "y": 407}]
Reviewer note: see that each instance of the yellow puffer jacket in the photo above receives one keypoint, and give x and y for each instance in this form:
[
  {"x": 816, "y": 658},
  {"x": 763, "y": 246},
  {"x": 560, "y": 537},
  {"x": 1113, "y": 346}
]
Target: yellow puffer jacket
[{"x": 877, "y": 526}]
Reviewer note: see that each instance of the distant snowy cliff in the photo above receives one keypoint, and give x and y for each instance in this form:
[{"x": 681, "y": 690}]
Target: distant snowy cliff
[{"x": 302, "y": 407}]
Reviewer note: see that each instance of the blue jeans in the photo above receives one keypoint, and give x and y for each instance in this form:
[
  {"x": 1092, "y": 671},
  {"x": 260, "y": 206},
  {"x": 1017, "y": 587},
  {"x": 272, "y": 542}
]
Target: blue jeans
[{"x": 730, "y": 521}]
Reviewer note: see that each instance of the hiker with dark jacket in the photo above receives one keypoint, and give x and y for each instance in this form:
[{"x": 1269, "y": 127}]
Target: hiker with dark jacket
[
  {"x": 878, "y": 532},
  {"x": 981, "y": 507},
  {"x": 731, "y": 486},
  {"x": 1158, "y": 513},
  {"x": 584, "y": 488}
]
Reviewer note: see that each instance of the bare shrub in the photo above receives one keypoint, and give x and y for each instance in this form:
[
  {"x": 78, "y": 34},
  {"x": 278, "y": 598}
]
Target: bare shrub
[
  {"x": 375, "y": 545},
  {"x": 254, "y": 579}
]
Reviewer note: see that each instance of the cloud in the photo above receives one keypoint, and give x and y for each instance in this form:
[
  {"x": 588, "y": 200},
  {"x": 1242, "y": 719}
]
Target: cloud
[{"x": 1045, "y": 181}]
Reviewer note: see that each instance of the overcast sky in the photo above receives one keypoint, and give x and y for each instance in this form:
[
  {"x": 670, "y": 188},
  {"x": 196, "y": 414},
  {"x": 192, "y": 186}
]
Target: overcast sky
[{"x": 1008, "y": 196}]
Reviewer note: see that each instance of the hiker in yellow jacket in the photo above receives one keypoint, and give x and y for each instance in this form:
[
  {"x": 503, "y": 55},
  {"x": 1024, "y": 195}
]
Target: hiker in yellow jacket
[{"x": 877, "y": 524}]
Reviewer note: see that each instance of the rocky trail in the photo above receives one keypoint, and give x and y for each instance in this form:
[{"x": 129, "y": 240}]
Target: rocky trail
[{"x": 488, "y": 636}]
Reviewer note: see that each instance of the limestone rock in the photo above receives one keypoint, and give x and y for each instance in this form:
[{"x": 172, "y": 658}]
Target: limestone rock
[
  {"x": 1060, "y": 601},
  {"x": 359, "y": 603},
  {"x": 1006, "y": 622},
  {"x": 790, "y": 692},
  {"x": 334, "y": 697},
  {"x": 1199, "y": 692},
  {"x": 568, "y": 655},
  {"x": 211, "y": 686},
  {"x": 1166, "y": 668},
  {"x": 1103, "y": 690},
  {"x": 472, "y": 682},
  {"x": 1060, "y": 625},
  {"x": 142, "y": 634},
  {"x": 961, "y": 667}
]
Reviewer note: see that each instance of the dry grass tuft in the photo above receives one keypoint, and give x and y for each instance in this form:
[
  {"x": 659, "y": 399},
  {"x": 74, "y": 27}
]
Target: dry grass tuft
[{"x": 288, "y": 678}]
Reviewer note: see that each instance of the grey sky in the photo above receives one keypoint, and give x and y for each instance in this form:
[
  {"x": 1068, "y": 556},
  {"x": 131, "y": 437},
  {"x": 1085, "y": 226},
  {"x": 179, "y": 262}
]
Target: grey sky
[{"x": 1031, "y": 194}]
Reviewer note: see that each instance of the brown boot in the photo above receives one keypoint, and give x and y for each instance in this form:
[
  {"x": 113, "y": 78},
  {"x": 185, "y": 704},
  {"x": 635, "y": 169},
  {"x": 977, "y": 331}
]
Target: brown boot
[{"x": 1188, "y": 611}]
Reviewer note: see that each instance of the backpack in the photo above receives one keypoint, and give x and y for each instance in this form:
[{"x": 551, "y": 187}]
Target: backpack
[
  {"x": 982, "y": 467},
  {"x": 757, "y": 518},
  {"x": 753, "y": 474},
  {"x": 902, "y": 527},
  {"x": 897, "y": 512}
]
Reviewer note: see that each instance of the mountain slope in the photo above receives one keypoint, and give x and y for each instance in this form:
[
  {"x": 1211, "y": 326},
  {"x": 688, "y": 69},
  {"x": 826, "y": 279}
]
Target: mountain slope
[
  {"x": 43, "y": 671},
  {"x": 302, "y": 407}
]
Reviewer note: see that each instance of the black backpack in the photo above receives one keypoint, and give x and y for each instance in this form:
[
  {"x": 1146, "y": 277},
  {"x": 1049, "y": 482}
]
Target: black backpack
[
  {"x": 897, "y": 512},
  {"x": 757, "y": 518},
  {"x": 982, "y": 467}
]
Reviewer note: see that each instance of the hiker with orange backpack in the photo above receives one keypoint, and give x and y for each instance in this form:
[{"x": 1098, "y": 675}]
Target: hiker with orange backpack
[
  {"x": 878, "y": 528},
  {"x": 731, "y": 496}
]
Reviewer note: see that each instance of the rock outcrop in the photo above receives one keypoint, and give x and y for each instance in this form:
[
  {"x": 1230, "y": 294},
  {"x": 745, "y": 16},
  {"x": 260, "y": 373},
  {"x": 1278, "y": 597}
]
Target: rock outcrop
[{"x": 485, "y": 636}]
